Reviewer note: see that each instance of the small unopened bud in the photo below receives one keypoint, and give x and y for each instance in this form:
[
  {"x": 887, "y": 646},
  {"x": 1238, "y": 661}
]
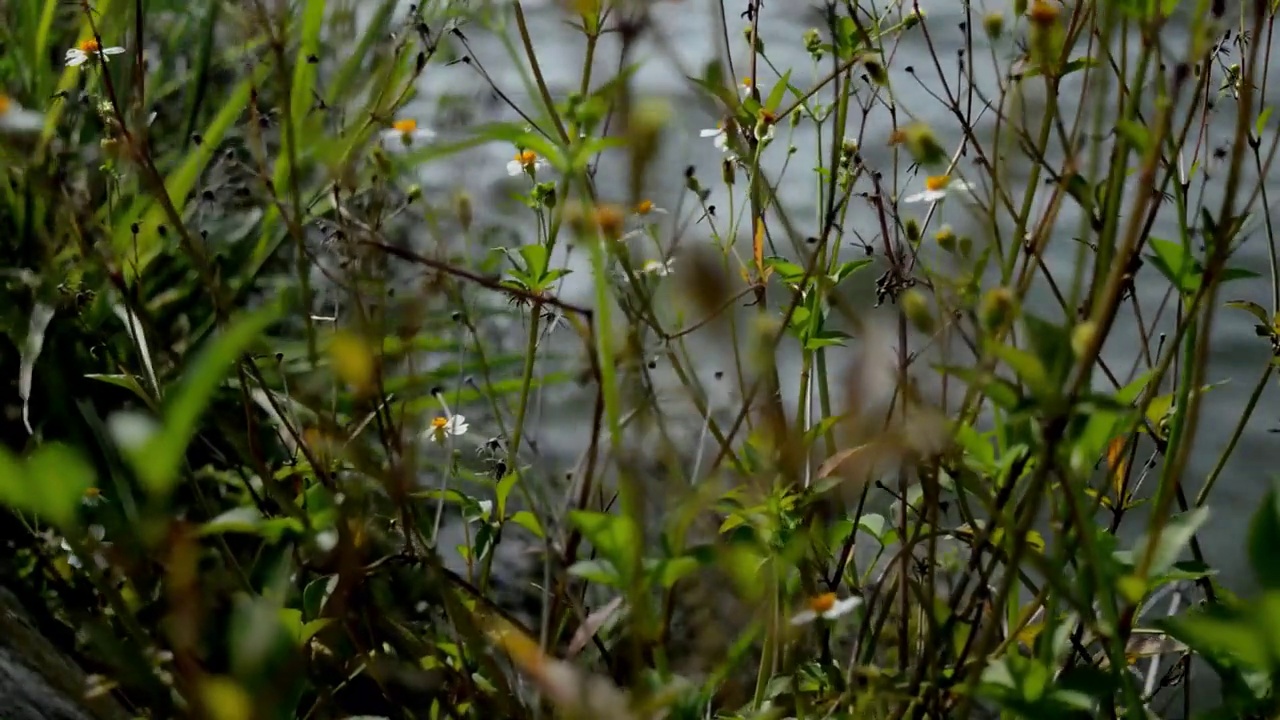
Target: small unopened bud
[
  {"x": 946, "y": 238},
  {"x": 462, "y": 206},
  {"x": 414, "y": 192},
  {"x": 813, "y": 43},
  {"x": 993, "y": 23},
  {"x": 727, "y": 171},
  {"x": 1043, "y": 13},
  {"x": 912, "y": 19},
  {"x": 1082, "y": 337},
  {"x": 913, "y": 231},
  {"x": 875, "y": 69},
  {"x": 921, "y": 143},
  {"x": 916, "y": 307},
  {"x": 966, "y": 246},
  {"x": 756, "y": 43},
  {"x": 997, "y": 309}
]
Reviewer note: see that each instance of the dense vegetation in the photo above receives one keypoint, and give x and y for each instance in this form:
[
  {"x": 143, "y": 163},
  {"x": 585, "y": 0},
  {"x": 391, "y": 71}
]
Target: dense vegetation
[{"x": 278, "y": 441}]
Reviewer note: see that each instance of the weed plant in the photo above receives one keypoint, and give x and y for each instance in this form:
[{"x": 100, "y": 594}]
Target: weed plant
[{"x": 281, "y": 406}]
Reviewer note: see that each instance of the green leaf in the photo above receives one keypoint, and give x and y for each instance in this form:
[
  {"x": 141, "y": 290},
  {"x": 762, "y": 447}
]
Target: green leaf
[
  {"x": 667, "y": 573},
  {"x": 825, "y": 338},
  {"x": 250, "y": 521},
  {"x": 615, "y": 537},
  {"x": 848, "y": 268},
  {"x": 1233, "y": 634},
  {"x": 1263, "y": 117},
  {"x": 1135, "y": 133},
  {"x": 1177, "y": 534},
  {"x": 1175, "y": 263},
  {"x": 778, "y": 91},
  {"x": 601, "y": 572},
  {"x": 1264, "y": 542},
  {"x": 528, "y": 521},
  {"x": 128, "y": 382},
  {"x": 1052, "y": 344},
  {"x": 56, "y": 478},
  {"x": 157, "y": 461},
  {"x": 505, "y": 485},
  {"x": 1026, "y": 365}
]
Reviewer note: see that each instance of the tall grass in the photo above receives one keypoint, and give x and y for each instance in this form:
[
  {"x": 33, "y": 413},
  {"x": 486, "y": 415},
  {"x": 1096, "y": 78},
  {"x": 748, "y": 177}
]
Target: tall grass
[{"x": 280, "y": 441}]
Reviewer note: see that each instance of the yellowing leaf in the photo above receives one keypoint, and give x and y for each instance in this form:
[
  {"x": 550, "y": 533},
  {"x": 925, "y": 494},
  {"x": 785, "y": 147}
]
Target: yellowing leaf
[
  {"x": 224, "y": 699},
  {"x": 353, "y": 362},
  {"x": 1118, "y": 467}
]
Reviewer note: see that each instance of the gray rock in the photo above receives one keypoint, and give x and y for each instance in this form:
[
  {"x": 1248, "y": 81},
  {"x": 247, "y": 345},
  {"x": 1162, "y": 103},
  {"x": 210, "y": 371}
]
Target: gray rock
[{"x": 37, "y": 681}]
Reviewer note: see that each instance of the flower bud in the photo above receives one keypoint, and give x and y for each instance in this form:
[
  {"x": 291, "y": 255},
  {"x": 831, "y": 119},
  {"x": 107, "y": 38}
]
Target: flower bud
[
  {"x": 462, "y": 206},
  {"x": 916, "y": 307},
  {"x": 997, "y": 309},
  {"x": 993, "y": 23},
  {"x": 946, "y": 238},
  {"x": 1082, "y": 337}
]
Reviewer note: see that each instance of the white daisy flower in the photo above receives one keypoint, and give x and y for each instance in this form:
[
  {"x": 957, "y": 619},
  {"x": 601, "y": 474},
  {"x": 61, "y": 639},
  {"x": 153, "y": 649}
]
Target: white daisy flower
[
  {"x": 15, "y": 118},
  {"x": 748, "y": 84},
  {"x": 721, "y": 137},
  {"x": 444, "y": 427},
  {"x": 826, "y": 606},
  {"x": 79, "y": 55},
  {"x": 661, "y": 268},
  {"x": 404, "y": 134},
  {"x": 526, "y": 161},
  {"x": 92, "y": 497},
  {"x": 646, "y": 209},
  {"x": 936, "y": 188}
]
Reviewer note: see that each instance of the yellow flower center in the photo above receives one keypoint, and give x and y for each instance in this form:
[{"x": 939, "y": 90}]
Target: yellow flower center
[
  {"x": 92, "y": 493},
  {"x": 527, "y": 158},
  {"x": 644, "y": 207},
  {"x": 4, "y": 104},
  {"x": 439, "y": 423},
  {"x": 748, "y": 83},
  {"x": 89, "y": 46},
  {"x": 405, "y": 126},
  {"x": 936, "y": 182},
  {"x": 823, "y": 602}
]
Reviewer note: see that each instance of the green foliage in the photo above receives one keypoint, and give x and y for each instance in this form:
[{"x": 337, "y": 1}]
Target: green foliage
[{"x": 290, "y": 414}]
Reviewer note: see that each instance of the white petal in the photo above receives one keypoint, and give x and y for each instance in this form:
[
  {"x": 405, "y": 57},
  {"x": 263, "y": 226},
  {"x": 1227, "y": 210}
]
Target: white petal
[
  {"x": 708, "y": 132},
  {"x": 112, "y": 50},
  {"x": 424, "y": 134},
  {"x": 20, "y": 119},
  {"x": 804, "y": 617},
  {"x": 514, "y": 168},
  {"x": 75, "y": 58},
  {"x": 842, "y": 607},
  {"x": 722, "y": 141}
]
